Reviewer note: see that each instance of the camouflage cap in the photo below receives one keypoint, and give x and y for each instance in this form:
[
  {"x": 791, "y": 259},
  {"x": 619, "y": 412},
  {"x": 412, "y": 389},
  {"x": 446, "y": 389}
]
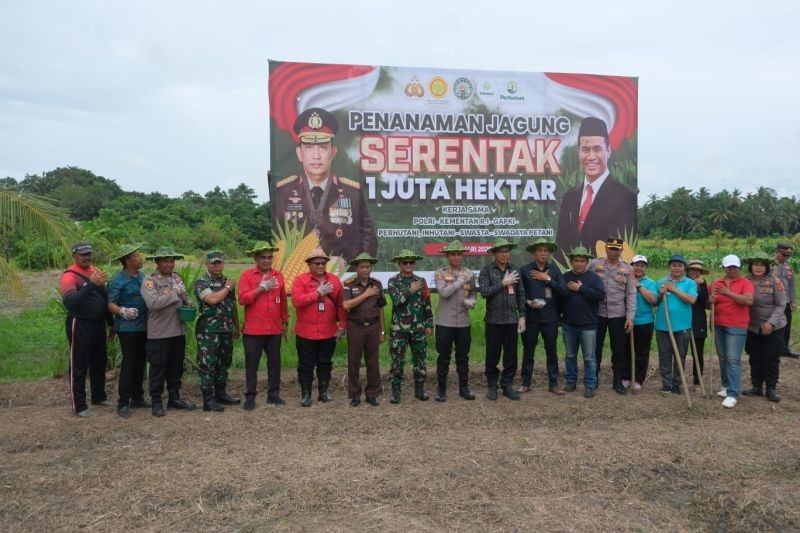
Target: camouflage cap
[
  {"x": 759, "y": 256},
  {"x": 454, "y": 246},
  {"x": 580, "y": 251},
  {"x": 499, "y": 244},
  {"x": 215, "y": 256},
  {"x": 406, "y": 255},
  {"x": 164, "y": 253},
  {"x": 541, "y": 241},
  {"x": 127, "y": 250},
  {"x": 363, "y": 256},
  {"x": 261, "y": 246}
]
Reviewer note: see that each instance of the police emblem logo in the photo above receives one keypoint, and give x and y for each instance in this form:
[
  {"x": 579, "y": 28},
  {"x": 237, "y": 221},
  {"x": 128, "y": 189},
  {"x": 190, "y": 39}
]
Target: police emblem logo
[
  {"x": 414, "y": 88},
  {"x": 315, "y": 121},
  {"x": 463, "y": 89}
]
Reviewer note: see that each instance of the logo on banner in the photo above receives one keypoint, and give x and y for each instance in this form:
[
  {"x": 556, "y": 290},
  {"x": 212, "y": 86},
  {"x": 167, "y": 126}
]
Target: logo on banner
[
  {"x": 437, "y": 87},
  {"x": 463, "y": 89},
  {"x": 512, "y": 87},
  {"x": 486, "y": 89},
  {"x": 414, "y": 88}
]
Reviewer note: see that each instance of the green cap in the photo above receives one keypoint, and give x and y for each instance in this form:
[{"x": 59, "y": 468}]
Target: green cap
[
  {"x": 541, "y": 241},
  {"x": 406, "y": 255},
  {"x": 454, "y": 246},
  {"x": 502, "y": 243},
  {"x": 759, "y": 256},
  {"x": 363, "y": 256},
  {"x": 127, "y": 250},
  {"x": 215, "y": 256},
  {"x": 580, "y": 251},
  {"x": 164, "y": 253},
  {"x": 261, "y": 246}
]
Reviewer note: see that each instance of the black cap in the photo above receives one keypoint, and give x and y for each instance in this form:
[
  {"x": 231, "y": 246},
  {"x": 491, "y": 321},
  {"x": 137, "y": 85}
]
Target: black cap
[
  {"x": 785, "y": 248},
  {"x": 614, "y": 242},
  {"x": 315, "y": 126},
  {"x": 593, "y": 127},
  {"x": 82, "y": 247}
]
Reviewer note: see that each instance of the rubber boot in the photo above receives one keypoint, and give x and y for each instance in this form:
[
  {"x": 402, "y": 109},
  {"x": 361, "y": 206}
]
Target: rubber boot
[
  {"x": 441, "y": 392},
  {"x": 175, "y": 401},
  {"x": 419, "y": 391},
  {"x": 305, "y": 389},
  {"x": 210, "y": 402},
  {"x": 395, "y": 397},
  {"x": 324, "y": 396},
  {"x": 463, "y": 390},
  {"x": 222, "y": 395}
]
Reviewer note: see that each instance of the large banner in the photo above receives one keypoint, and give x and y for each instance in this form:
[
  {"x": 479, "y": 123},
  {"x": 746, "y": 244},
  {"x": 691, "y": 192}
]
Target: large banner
[{"x": 377, "y": 159}]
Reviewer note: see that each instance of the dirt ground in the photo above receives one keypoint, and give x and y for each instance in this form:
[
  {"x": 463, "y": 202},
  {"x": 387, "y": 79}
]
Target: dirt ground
[{"x": 642, "y": 462}]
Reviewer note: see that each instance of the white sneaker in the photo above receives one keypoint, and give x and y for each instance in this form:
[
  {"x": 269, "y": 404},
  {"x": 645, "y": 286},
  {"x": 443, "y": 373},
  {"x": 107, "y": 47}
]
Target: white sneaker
[
  {"x": 637, "y": 387},
  {"x": 626, "y": 383},
  {"x": 729, "y": 402},
  {"x": 723, "y": 393}
]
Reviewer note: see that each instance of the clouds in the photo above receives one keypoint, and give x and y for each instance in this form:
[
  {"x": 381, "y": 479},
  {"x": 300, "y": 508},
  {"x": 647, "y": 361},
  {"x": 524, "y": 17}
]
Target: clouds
[{"x": 173, "y": 96}]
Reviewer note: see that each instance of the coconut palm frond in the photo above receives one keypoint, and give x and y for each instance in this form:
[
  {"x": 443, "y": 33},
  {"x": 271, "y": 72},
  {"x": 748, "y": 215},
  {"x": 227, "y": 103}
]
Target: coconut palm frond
[
  {"x": 33, "y": 214},
  {"x": 10, "y": 278}
]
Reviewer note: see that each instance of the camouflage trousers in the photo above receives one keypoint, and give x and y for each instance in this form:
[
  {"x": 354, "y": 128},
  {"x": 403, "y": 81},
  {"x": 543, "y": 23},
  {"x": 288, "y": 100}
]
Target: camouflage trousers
[
  {"x": 214, "y": 356},
  {"x": 397, "y": 351}
]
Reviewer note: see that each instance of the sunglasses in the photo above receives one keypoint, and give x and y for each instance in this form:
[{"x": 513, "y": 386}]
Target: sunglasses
[
  {"x": 318, "y": 263},
  {"x": 407, "y": 262}
]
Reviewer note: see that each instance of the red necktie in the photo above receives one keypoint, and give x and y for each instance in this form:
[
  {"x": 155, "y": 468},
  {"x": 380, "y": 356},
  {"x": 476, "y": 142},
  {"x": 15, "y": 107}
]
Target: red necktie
[{"x": 587, "y": 204}]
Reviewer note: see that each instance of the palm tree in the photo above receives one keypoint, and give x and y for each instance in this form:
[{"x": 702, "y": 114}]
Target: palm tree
[{"x": 24, "y": 214}]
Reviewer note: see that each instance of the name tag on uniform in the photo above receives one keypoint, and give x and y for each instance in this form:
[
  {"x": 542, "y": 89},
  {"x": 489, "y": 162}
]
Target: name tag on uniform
[{"x": 321, "y": 305}]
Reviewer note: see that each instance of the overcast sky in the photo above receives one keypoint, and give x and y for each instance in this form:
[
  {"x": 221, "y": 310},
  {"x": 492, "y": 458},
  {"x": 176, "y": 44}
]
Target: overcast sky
[{"x": 172, "y": 96}]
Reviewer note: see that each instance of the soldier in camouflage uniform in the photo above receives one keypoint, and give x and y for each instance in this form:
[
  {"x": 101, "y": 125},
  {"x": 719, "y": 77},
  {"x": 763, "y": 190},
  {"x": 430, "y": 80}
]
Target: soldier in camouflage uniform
[
  {"x": 217, "y": 327},
  {"x": 412, "y": 322}
]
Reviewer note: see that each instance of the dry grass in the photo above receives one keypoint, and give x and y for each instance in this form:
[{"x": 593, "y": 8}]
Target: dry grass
[{"x": 640, "y": 462}]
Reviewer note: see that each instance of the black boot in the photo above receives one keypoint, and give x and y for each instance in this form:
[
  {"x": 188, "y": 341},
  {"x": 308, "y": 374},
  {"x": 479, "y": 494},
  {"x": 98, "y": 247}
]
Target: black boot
[
  {"x": 510, "y": 393},
  {"x": 463, "y": 390},
  {"x": 157, "y": 407},
  {"x": 222, "y": 395},
  {"x": 772, "y": 395},
  {"x": 175, "y": 401},
  {"x": 274, "y": 399},
  {"x": 249, "y": 402},
  {"x": 395, "y": 397},
  {"x": 324, "y": 396},
  {"x": 441, "y": 392},
  {"x": 754, "y": 391},
  {"x": 139, "y": 403},
  {"x": 210, "y": 403},
  {"x": 419, "y": 391},
  {"x": 491, "y": 392},
  {"x": 305, "y": 389}
]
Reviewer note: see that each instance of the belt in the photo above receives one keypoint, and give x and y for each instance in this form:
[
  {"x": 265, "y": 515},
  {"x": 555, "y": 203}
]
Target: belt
[{"x": 364, "y": 323}]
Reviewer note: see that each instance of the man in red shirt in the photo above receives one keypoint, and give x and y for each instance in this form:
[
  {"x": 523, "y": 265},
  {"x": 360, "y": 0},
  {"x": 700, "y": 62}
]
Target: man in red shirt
[
  {"x": 321, "y": 319},
  {"x": 262, "y": 292},
  {"x": 83, "y": 292}
]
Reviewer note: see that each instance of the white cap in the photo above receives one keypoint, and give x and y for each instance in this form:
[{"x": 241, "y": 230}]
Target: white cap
[
  {"x": 731, "y": 261},
  {"x": 639, "y": 258}
]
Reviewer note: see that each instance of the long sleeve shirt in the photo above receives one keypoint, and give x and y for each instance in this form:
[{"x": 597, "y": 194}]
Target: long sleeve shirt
[
  {"x": 620, "y": 286},
  {"x": 163, "y": 301},
  {"x": 411, "y": 313},
  {"x": 125, "y": 290},
  {"x": 785, "y": 273},
  {"x": 580, "y": 308},
  {"x": 504, "y": 305},
  {"x": 82, "y": 298},
  {"x": 318, "y": 317},
  {"x": 265, "y": 313},
  {"x": 454, "y": 286},
  {"x": 769, "y": 304},
  {"x": 549, "y": 291}
]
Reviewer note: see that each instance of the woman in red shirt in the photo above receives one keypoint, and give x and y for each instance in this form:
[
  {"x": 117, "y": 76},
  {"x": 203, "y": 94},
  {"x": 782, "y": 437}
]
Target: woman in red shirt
[{"x": 732, "y": 296}]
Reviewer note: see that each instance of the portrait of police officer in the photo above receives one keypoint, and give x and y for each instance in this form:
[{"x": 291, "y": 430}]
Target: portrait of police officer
[{"x": 317, "y": 199}]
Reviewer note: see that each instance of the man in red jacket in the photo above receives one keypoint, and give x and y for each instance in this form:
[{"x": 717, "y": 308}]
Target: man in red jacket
[
  {"x": 321, "y": 319},
  {"x": 262, "y": 292}
]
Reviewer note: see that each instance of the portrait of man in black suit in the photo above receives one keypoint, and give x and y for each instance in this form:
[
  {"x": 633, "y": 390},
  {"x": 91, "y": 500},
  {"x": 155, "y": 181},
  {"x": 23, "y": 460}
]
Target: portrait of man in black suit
[{"x": 600, "y": 207}]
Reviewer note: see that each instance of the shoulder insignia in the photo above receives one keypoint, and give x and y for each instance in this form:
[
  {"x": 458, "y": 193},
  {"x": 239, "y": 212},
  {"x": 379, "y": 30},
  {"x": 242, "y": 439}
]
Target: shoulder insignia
[
  {"x": 349, "y": 281},
  {"x": 285, "y": 181},
  {"x": 352, "y": 183},
  {"x": 438, "y": 275}
]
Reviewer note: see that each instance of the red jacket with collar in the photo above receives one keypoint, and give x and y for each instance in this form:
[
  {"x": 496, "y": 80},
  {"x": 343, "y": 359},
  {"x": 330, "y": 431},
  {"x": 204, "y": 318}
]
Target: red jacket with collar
[
  {"x": 265, "y": 313},
  {"x": 313, "y": 322}
]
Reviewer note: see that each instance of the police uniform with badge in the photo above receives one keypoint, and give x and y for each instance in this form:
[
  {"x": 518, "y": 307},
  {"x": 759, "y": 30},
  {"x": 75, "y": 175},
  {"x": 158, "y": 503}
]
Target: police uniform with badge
[{"x": 335, "y": 209}]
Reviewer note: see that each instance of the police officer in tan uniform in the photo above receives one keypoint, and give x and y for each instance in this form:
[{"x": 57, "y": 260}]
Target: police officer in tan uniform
[
  {"x": 331, "y": 205},
  {"x": 785, "y": 273}
]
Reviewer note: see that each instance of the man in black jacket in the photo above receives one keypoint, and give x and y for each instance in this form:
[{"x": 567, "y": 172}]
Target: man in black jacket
[
  {"x": 83, "y": 292},
  {"x": 543, "y": 284},
  {"x": 585, "y": 291},
  {"x": 600, "y": 205}
]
